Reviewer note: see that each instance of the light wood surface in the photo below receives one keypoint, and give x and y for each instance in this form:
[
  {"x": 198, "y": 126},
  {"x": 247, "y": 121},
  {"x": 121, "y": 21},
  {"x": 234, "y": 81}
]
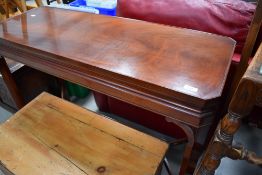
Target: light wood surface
[{"x": 51, "y": 136}]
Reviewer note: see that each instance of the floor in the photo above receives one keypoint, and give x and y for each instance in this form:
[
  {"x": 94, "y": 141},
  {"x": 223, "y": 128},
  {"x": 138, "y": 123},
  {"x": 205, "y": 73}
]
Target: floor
[{"x": 251, "y": 137}]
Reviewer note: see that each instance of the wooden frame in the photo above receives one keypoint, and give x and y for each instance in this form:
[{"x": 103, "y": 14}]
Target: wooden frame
[
  {"x": 248, "y": 94},
  {"x": 247, "y": 50},
  {"x": 20, "y": 4}
]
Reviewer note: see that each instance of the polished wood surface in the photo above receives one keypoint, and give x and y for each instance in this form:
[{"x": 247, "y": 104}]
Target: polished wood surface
[
  {"x": 247, "y": 95},
  {"x": 54, "y": 137},
  {"x": 164, "y": 69},
  {"x": 175, "y": 72}
]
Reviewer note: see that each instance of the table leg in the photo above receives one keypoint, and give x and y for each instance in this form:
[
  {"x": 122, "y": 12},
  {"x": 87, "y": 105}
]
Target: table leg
[
  {"x": 10, "y": 83},
  {"x": 188, "y": 150},
  {"x": 189, "y": 146}
]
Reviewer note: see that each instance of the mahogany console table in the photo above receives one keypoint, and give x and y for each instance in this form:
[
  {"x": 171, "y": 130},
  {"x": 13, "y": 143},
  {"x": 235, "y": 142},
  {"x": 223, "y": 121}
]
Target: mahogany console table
[{"x": 174, "y": 72}]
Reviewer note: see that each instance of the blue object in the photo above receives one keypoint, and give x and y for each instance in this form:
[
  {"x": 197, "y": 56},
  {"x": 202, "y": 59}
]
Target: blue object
[
  {"x": 105, "y": 7},
  {"x": 79, "y": 8},
  {"x": 78, "y": 3}
]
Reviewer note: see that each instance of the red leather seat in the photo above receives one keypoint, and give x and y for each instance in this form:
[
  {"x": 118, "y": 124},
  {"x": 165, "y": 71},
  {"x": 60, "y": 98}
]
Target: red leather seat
[
  {"x": 223, "y": 17},
  {"x": 230, "y": 18}
]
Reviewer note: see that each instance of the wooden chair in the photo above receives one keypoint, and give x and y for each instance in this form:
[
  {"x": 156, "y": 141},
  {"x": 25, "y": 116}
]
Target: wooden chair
[
  {"x": 6, "y": 5},
  {"x": 247, "y": 50},
  {"x": 247, "y": 95}
]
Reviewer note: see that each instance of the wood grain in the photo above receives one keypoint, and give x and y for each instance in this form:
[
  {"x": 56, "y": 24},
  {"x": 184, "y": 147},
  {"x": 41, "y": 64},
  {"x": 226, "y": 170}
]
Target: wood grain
[
  {"x": 246, "y": 96},
  {"x": 248, "y": 47},
  {"x": 55, "y": 137},
  {"x": 247, "y": 50},
  {"x": 175, "y": 72}
]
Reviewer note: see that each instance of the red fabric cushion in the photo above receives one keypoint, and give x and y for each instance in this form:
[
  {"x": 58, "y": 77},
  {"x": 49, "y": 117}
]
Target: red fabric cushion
[
  {"x": 236, "y": 58},
  {"x": 224, "y": 17}
]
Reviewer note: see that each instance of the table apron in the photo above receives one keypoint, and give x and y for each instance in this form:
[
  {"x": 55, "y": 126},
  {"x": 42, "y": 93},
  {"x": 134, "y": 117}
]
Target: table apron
[{"x": 183, "y": 114}]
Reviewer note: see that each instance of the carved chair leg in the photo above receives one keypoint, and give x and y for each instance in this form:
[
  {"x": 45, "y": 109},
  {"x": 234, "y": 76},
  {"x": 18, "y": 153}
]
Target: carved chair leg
[
  {"x": 221, "y": 144},
  {"x": 254, "y": 159},
  {"x": 216, "y": 153},
  {"x": 10, "y": 83},
  {"x": 238, "y": 152}
]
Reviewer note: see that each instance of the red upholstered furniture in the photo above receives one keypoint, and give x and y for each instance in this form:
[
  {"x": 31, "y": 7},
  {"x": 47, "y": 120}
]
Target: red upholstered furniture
[{"x": 223, "y": 17}]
